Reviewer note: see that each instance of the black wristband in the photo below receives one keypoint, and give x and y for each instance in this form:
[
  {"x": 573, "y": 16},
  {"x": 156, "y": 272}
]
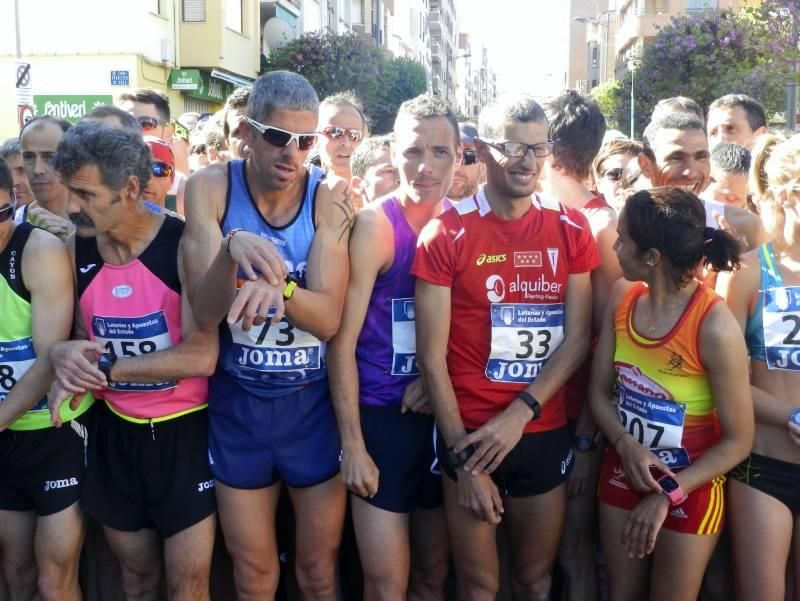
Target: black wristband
[
  {"x": 456, "y": 460},
  {"x": 531, "y": 402},
  {"x": 105, "y": 364}
]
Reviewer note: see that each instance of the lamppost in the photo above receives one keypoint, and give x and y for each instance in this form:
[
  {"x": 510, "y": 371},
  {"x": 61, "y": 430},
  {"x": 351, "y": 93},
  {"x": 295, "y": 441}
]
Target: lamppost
[{"x": 633, "y": 62}]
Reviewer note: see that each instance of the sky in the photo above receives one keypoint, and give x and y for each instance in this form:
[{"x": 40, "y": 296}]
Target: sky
[{"x": 526, "y": 41}]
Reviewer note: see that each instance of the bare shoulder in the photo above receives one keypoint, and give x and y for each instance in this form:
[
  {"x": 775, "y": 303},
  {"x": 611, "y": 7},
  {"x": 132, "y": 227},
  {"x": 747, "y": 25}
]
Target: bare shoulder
[
  {"x": 206, "y": 191},
  {"x": 42, "y": 242},
  {"x": 603, "y": 221},
  {"x": 720, "y": 329}
]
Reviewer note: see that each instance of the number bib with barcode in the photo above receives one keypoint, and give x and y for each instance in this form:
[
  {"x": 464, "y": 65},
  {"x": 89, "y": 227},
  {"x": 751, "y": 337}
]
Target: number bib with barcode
[
  {"x": 278, "y": 347},
  {"x": 524, "y": 336},
  {"x": 404, "y": 338},
  {"x": 781, "y": 319},
  {"x": 656, "y": 423},
  {"x": 131, "y": 337}
]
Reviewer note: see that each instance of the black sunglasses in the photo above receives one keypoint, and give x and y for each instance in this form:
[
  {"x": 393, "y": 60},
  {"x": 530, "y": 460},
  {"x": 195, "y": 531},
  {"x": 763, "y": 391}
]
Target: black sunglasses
[
  {"x": 161, "y": 169},
  {"x": 148, "y": 123},
  {"x": 469, "y": 157},
  {"x": 7, "y": 211},
  {"x": 282, "y": 137}
]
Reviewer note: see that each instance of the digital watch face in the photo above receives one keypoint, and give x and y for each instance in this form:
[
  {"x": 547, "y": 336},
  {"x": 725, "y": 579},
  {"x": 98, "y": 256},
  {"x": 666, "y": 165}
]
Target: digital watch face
[{"x": 668, "y": 484}]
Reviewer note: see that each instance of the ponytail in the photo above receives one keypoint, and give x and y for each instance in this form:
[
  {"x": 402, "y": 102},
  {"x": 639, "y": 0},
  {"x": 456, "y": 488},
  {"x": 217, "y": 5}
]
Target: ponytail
[{"x": 721, "y": 251}]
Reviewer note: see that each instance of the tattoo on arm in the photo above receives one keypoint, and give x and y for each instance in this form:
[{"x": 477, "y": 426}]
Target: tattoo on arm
[{"x": 349, "y": 219}]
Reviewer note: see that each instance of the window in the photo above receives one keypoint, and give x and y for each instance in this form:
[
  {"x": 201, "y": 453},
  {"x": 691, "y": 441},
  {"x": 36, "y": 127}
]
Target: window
[
  {"x": 595, "y": 56},
  {"x": 155, "y": 6},
  {"x": 357, "y": 11},
  {"x": 194, "y": 11},
  {"x": 233, "y": 15},
  {"x": 698, "y": 5}
]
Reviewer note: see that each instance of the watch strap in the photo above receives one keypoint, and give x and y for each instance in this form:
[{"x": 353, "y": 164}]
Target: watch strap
[
  {"x": 291, "y": 286},
  {"x": 531, "y": 402}
]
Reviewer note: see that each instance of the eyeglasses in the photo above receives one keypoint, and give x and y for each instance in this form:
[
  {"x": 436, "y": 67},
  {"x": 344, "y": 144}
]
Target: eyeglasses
[
  {"x": 281, "y": 137},
  {"x": 518, "y": 150},
  {"x": 334, "y": 133},
  {"x": 7, "y": 211},
  {"x": 161, "y": 169},
  {"x": 148, "y": 123},
  {"x": 613, "y": 175},
  {"x": 469, "y": 157}
]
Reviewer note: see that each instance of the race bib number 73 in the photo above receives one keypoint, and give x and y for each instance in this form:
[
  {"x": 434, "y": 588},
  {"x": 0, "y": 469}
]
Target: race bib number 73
[{"x": 524, "y": 336}]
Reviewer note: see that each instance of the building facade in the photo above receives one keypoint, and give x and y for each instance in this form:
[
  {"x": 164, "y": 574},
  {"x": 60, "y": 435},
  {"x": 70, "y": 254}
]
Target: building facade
[{"x": 83, "y": 53}]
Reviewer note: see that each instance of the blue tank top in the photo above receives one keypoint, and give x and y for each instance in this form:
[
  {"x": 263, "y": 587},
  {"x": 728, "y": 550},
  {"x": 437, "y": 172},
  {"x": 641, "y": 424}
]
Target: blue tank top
[
  {"x": 770, "y": 278},
  {"x": 386, "y": 348},
  {"x": 273, "y": 359}
]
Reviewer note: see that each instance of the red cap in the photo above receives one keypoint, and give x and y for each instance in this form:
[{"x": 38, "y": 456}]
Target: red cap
[{"x": 160, "y": 150}]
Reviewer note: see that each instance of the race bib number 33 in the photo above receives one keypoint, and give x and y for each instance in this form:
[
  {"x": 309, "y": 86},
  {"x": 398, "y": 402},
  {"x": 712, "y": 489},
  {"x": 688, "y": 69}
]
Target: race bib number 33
[
  {"x": 524, "y": 336},
  {"x": 781, "y": 318}
]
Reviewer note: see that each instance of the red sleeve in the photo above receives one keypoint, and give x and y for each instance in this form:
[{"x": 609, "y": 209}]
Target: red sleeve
[
  {"x": 435, "y": 259},
  {"x": 583, "y": 249}
]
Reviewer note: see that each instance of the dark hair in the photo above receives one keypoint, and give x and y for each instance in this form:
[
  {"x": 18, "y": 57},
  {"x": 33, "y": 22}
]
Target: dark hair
[
  {"x": 236, "y": 101},
  {"x": 678, "y": 104},
  {"x": 673, "y": 222},
  {"x": 105, "y": 111},
  {"x": 731, "y": 158},
  {"x": 615, "y": 147},
  {"x": 36, "y": 122},
  {"x": 577, "y": 127},
  {"x": 149, "y": 96},
  {"x": 679, "y": 121},
  {"x": 756, "y": 117},
  {"x": 428, "y": 106},
  {"x": 10, "y": 148},
  {"x": 6, "y": 181},
  {"x": 347, "y": 98},
  {"x": 366, "y": 153},
  {"x": 118, "y": 153}
]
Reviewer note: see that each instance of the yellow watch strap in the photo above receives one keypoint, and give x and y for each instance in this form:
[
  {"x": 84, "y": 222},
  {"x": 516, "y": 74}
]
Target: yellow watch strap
[{"x": 289, "y": 290}]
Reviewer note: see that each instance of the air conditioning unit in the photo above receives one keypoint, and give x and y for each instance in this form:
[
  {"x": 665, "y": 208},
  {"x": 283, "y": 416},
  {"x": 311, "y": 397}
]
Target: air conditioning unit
[{"x": 167, "y": 51}]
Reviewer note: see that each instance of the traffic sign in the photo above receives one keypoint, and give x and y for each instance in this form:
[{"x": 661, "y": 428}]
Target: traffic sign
[
  {"x": 120, "y": 78},
  {"x": 22, "y": 83}
]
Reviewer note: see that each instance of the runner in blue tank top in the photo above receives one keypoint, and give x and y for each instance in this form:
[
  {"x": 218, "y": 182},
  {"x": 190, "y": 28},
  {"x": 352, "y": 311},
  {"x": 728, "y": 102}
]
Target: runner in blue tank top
[
  {"x": 278, "y": 233},
  {"x": 388, "y": 454}
]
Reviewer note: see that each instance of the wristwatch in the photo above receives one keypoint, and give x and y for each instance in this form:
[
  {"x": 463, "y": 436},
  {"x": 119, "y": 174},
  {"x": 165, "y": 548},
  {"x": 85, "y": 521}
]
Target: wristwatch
[
  {"x": 583, "y": 443},
  {"x": 291, "y": 285},
  {"x": 456, "y": 460},
  {"x": 671, "y": 488},
  {"x": 531, "y": 402},
  {"x": 106, "y": 363}
]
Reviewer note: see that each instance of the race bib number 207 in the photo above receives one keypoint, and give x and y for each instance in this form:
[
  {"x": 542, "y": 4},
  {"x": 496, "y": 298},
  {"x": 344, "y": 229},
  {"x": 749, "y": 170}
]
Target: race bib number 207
[{"x": 524, "y": 336}]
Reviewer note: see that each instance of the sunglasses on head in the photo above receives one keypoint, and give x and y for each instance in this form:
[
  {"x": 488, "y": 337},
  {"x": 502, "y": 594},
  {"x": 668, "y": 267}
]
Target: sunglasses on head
[
  {"x": 149, "y": 122},
  {"x": 161, "y": 170},
  {"x": 334, "y": 133},
  {"x": 281, "y": 137},
  {"x": 614, "y": 174},
  {"x": 7, "y": 211},
  {"x": 469, "y": 157}
]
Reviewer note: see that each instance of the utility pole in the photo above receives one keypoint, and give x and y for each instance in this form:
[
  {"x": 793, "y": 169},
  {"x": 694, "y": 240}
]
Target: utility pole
[
  {"x": 791, "y": 86},
  {"x": 16, "y": 28},
  {"x": 633, "y": 80}
]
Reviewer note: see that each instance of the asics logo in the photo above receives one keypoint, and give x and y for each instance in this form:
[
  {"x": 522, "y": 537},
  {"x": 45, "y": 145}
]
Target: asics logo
[
  {"x": 490, "y": 259},
  {"x": 88, "y": 268}
]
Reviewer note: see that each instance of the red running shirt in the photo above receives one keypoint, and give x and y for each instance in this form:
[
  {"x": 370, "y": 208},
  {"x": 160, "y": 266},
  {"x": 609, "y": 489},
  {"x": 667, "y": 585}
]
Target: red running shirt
[{"x": 508, "y": 282}]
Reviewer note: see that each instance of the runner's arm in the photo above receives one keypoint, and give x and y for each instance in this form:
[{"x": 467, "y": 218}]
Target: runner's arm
[
  {"x": 317, "y": 309},
  {"x": 724, "y": 355},
  {"x": 740, "y": 289},
  {"x": 209, "y": 270},
  {"x": 195, "y": 356},
  {"x": 604, "y": 229},
  {"x": 48, "y": 277},
  {"x": 432, "y": 308},
  {"x": 367, "y": 257}
]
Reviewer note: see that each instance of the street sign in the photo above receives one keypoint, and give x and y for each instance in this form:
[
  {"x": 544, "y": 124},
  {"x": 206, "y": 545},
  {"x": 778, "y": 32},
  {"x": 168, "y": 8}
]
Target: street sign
[
  {"x": 120, "y": 78},
  {"x": 25, "y": 114},
  {"x": 22, "y": 83}
]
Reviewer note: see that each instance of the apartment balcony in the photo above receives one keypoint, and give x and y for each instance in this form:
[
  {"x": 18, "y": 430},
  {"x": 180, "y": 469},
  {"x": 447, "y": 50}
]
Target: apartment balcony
[
  {"x": 639, "y": 24},
  {"x": 436, "y": 53},
  {"x": 435, "y": 21}
]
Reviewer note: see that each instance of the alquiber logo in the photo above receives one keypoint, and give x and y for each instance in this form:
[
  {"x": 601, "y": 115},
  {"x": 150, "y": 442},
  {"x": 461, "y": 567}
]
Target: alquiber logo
[{"x": 65, "y": 483}]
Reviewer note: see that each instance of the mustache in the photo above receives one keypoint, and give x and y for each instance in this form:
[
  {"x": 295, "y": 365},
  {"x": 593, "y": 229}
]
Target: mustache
[{"x": 81, "y": 218}]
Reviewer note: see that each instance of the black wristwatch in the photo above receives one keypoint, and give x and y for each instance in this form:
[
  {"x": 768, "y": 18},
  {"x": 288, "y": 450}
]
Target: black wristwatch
[
  {"x": 531, "y": 402},
  {"x": 105, "y": 364},
  {"x": 456, "y": 460},
  {"x": 583, "y": 443}
]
